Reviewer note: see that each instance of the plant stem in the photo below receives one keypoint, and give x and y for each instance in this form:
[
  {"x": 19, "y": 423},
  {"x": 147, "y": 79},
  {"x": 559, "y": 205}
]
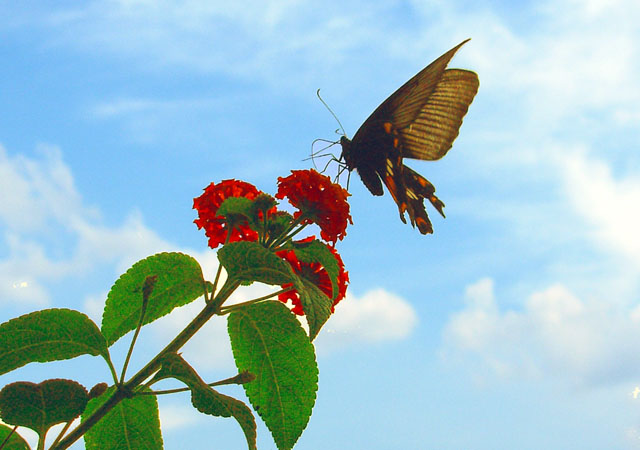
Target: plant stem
[
  {"x": 288, "y": 234},
  {"x": 62, "y": 432},
  {"x": 230, "y": 380},
  {"x": 112, "y": 369},
  {"x": 143, "y": 310},
  {"x": 13, "y": 430},
  {"x": 230, "y": 308},
  {"x": 41, "y": 439},
  {"x": 215, "y": 282},
  {"x": 219, "y": 271},
  {"x": 152, "y": 366}
]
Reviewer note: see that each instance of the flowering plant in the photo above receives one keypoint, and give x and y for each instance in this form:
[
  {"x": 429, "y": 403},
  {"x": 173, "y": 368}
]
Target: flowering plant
[{"x": 273, "y": 353}]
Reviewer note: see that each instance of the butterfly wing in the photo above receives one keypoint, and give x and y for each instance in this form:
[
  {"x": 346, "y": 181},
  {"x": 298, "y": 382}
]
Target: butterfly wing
[
  {"x": 404, "y": 105},
  {"x": 431, "y": 134},
  {"x": 409, "y": 189}
]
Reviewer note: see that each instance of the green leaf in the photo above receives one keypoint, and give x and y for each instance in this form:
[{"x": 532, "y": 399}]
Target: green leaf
[
  {"x": 268, "y": 341},
  {"x": 40, "y": 406},
  {"x": 179, "y": 282},
  {"x": 249, "y": 261},
  {"x": 316, "y": 306},
  {"x": 207, "y": 400},
  {"x": 15, "y": 442},
  {"x": 316, "y": 251},
  {"x": 48, "y": 335},
  {"x": 133, "y": 424},
  {"x": 237, "y": 206}
]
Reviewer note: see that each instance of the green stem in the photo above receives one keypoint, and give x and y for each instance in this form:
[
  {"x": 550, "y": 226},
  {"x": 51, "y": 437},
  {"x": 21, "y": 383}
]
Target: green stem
[
  {"x": 62, "y": 432},
  {"x": 13, "y": 430},
  {"x": 288, "y": 234},
  {"x": 219, "y": 271},
  {"x": 41, "y": 440},
  {"x": 215, "y": 282},
  {"x": 230, "y": 308},
  {"x": 295, "y": 232},
  {"x": 152, "y": 366},
  {"x": 231, "y": 380},
  {"x": 143, "y": 310},
  {"x": 112, "y": 369}
]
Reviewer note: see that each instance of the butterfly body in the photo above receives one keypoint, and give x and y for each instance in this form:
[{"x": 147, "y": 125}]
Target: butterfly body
[{"x": 419, "y": 121}]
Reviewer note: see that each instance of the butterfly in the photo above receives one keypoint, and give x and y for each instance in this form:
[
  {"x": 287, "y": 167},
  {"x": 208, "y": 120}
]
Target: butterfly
[{"x": 420, "y": 121}]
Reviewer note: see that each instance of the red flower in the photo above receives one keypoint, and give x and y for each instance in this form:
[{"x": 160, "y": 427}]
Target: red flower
[
  {"x": 319, "y": 200},
  {"x": 315, "y": 273},
  {"x": 216, "y": 227}
]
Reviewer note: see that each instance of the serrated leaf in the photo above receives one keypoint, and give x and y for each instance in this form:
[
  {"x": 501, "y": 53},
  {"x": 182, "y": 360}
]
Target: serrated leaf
[
  {"x": 268, "y": 341},
  {"x": 249, "y": 261},
  {"x": 15, "y": 442},
  {"x": 40, "y": 406},
  {"x": 49, "y": 335},
  {"x": 133, "y": 424},
  {"x": 316, "y": 306},
  {"x": 179, "y": 282},
  {"x": 316, "y": 251},
  {"x": 207, "y": 400}
]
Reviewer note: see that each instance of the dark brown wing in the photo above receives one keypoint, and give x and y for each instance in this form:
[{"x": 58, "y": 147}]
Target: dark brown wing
[
  {"x": 433, "y": 131},
  {"x": 409, "y": 189},
  {"x": 418, "y": 188},
  {"x": 404, "y": 105}
]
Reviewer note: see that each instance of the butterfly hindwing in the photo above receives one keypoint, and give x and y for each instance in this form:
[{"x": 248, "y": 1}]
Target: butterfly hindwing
[
  {"x": 418, "y": 189},
  {"x": 409, "y": 189},
  {"x": 436, "y": 126}
]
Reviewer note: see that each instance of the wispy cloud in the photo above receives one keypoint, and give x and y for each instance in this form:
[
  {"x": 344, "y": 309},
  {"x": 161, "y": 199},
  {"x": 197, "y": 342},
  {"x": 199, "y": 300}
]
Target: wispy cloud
[
  {"x": 607, "y": 203},
  {"x": 283, "y": 43},
  {"x": 178, "y": 416},
  {"x": 41, "y": 210},
  {"x": 556, "y": 335},
  {"x": 374, "y": 317}
]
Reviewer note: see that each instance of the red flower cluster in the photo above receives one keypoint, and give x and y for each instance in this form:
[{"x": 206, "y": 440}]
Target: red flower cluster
[
  {"x": 315, "y": 273},
  {"x": 319, "y": 200},
  {"x": 215, "y": 227}
]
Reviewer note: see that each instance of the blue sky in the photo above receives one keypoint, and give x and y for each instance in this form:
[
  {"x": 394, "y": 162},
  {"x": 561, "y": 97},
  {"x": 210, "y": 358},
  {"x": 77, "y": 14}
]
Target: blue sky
[{"x": 513, "y": 326}]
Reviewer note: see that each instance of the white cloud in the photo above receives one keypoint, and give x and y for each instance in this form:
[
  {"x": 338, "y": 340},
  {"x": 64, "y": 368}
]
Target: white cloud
[
  {"x": 608, "y": 204},
  {"x": 375, "y": 317},
  {"x": 178, "y": 416},
  {"x": 94, "y": 306},
  {"x": 579, "y": 59},
  {"x": 40, "y": 209},
  {"x": 554, "y": 335},
  {"x": 35, "y": 192}
]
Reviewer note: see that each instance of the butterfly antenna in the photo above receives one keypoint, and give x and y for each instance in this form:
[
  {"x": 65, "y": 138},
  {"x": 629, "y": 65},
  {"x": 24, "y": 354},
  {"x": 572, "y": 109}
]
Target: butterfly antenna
[{"x": 331, "y": 111}]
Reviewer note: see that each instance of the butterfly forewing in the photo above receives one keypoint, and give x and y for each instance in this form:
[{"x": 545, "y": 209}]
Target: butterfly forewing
[{"x": 407, "y": 102}]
